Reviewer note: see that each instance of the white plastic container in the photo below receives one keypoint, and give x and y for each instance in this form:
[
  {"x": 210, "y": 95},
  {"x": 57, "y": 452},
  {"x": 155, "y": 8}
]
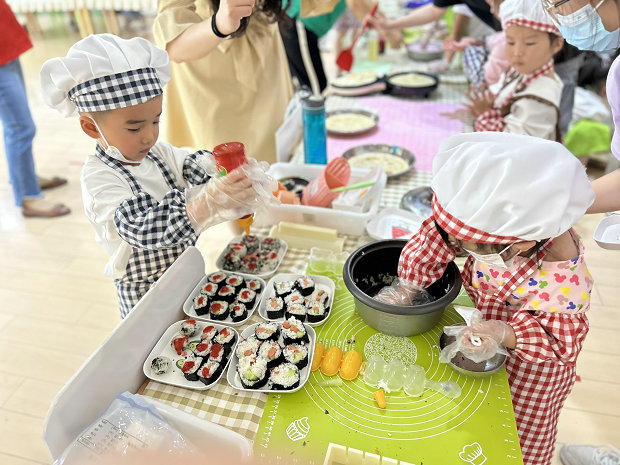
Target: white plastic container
[{"x": 345, "y": 222}]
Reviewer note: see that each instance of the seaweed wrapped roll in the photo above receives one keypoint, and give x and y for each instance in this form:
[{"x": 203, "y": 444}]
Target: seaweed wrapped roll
[
  {"x": 296, "y": 310},
  {"x": 269, "y": 261},
  {"x": 285, "y": 377},
  {"x": 226, "y": 293},
  {"x": 203, "y": 349},
  {"x": 201, "y": 304},
  {"x": 270, "y": 244},
  {"x": 267, "y": 332},
  {"x": 305, "y": 285},
  {"x": 238, "y": 311},
  {"x": 217, "y": 353},
  {"x": 319, "y": 295},
  {"x": 251, "y": 242},
  {"x": 272, "y": 352},
  {"x": 226, "y": 337},
  {"x": 282, "y": 288},
  {"x": 208, "y": 333},
  {"x": 253, "y": 284},
  {"x": 209, "y": 289},
  {"x": 315, "y": 312},
  {"x": 189, "y": 328},
  {"x": 296, "y": 354},
  {"x": 294, "y": 331},
  {"x": 209, "y": 372},
  {"x": 247, "y": 296},
  {"x": 217, "y": 278},
  {"x": 275, "y": 308},
  {"x": 218, "y": 310},
  {"x": 190, "y": 368},
  {"x": 294, "y": 297},
  {"x": 252, "y": 372},
  {"x": 234, "y": 281}
]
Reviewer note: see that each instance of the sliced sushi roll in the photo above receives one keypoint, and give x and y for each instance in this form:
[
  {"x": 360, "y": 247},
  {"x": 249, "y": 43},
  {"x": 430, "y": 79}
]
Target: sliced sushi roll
[
  {"x": 269, "y": 261},
  {"x": 201, "y": 304},
  {"x": 272, "y": 352},
  {"x": 218, "y": 310},
  {"x": 305, "y": 285},
  {"x": 270, "y": 244},
  {"x": 187, "y": 354},
  {"x": 203, "y": 349},
  {"x": 275, "y": 308},
  {"x": 218, "y": 278},
  {"x": 315, "y": 312},
  {"x": 284, "y": 377},
  {"x": 294, "y": 331},
  {"x": 252, "y": 372},
  {"x": 209, "y": 289},
  {"x": 226, "y": 337},
  {"x": 319, "y": 295},
  {"x": 226, "y": 293},
  {"x": 248, "y": 347},
  {"x": 282, "y": 288},
  {"x": 189, "y": 328},
  {"x": 251, "y": 242},
  {"x": 235, "y": 281},
  {"x": 267, "y": 332},
  {"x": 190, "y": 368},
  {"x": 296, "y": 310},
  {"x": 208, "y": 333},
  {"x": 253, "y": 284},
  {"x": 247, "y": 297},
  {"x": 294, "y": 297},
  {"x": 232, "y": 262},
  {"x": 218, "y": 353},
  {"x": 161, "y": 365},
  {"x": 209, "y": 372},
  {"x": 296, "y": 354},
  {"x": 179, "y": 343},
  {"x": 191, "y": 346},
  {"x": 238, "y": 311}
]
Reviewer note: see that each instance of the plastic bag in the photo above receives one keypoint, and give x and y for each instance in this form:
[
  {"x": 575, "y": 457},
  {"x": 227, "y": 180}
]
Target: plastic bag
[
  {"x": 129, "y": 431},
  {"x": 402, "y": 292},
  {"x": 478, "y": 341}
]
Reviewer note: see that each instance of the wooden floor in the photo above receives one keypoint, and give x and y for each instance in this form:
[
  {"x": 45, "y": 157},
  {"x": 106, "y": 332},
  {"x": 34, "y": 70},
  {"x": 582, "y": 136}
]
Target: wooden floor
[{"x": 56, "y": 306}]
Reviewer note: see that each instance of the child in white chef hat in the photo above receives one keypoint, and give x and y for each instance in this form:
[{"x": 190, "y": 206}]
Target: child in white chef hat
[
  {"x": 510, "y": 201},
  {"x": 526, "y": 99},
  {"x": 147, "y": 201}
]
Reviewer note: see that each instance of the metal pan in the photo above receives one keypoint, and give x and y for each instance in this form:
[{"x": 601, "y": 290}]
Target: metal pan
[
  {"x": 410, "y": 91},
  {"x": 351, "y": 131},
  {"x": 387, "y": 149}
]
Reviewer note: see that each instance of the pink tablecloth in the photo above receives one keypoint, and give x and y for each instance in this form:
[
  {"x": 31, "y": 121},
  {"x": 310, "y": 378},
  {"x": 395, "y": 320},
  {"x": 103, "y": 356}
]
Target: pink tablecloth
[{"x": 416, "y": 125}]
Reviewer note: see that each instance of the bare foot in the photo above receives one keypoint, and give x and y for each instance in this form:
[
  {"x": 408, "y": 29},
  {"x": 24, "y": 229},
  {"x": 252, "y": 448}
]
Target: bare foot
[{"x": 43, "y": 208}]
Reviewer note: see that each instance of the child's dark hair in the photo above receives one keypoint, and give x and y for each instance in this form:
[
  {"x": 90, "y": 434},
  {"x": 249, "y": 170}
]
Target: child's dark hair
[
  {"x": 269, "y": 11},
  {"x": 593, "y": 72}
]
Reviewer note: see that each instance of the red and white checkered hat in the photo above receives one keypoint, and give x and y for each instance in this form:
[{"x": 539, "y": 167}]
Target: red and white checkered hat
[{"x": 528, "y": 13}]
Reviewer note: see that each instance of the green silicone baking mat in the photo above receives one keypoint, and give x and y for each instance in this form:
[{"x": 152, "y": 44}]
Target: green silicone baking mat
[{"x": 476, "y": 428}]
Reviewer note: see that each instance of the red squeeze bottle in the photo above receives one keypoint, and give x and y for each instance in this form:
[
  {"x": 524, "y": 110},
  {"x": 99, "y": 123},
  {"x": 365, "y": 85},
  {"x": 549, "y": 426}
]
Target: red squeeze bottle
[{"x": 229, "y": 156}]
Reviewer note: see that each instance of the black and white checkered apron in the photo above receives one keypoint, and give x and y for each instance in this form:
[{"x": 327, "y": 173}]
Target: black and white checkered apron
[{"x": 146, "y": 265}]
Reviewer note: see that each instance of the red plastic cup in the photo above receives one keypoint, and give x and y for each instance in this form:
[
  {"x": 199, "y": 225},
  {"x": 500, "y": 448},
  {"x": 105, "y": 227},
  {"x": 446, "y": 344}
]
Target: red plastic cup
[{"x": 318, "y": 192}]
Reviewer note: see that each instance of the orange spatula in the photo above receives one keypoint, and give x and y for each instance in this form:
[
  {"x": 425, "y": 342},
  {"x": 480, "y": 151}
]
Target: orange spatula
[{"x": 345, "y": 58}]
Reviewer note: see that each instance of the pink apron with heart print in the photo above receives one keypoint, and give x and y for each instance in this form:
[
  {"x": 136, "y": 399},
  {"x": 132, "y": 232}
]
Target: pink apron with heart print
[{"x": 547, "y": 312}]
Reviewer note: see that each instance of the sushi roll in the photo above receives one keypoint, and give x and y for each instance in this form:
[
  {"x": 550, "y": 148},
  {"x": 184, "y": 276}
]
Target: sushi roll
[
  {"x": 305, "y": 285},
  {"x": 209, "y": 372},
  {"x": 282, "y": 288},
  {"x": 267, "y": 332},
  {"x": 253, "y": 284},
  {"x": 250, "y": 264},
  {"x": 190, "y": 368},
  {"x": 217, "y": 354},
  {"x": 247, "y": 297},
  {"x": 319, "y": 295},
  {"x": 218, "y": 310},
  {"x": 237, "y": 250},
  {"x": 296, "y": 310},
  {"x": 231, "y": 262},
  {"x": 296, "y": 354},
  {"x": 269, "y": 261},
  {"x": 203, "y": 349},
  {"x": 285, "y": 377},
  {"x": 234, "y": 281},
  {"x": 270, "y": 244},
  {"x": 161, "y": 365},
  {"x": 187, "y": 354},
  {"x": 226, "y": 293},
  {"x": 275, "y": 308},
  {"x": 294, "y": 297},
  {"x": 201, "y": 304},
  {"x": 252, "y": 372},
  {"x": 272, "y": 352},
  {"x": 179, "y": 343},
  {"x": 209, "y": 289},
  {"x": 251, "y": 242},
  {"x": 208, "y": 333},
  {"x": 226, "y": 337},
  {"x": 189, "y": 328},
  {"x": 238, "y": 311},
  {"x": 315, "y": 312},
  {"x": 294, "y": 331},
  {"x": 248, "y": 347},
  {"x": 218, "y": 278}
]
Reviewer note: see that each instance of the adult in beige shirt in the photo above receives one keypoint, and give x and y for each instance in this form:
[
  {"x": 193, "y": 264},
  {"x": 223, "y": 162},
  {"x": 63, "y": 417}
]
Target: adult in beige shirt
[{"x": 224, "y": 89}]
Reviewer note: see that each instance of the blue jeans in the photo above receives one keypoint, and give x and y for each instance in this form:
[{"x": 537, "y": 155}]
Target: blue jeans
[{"x": 19, "y": 130}]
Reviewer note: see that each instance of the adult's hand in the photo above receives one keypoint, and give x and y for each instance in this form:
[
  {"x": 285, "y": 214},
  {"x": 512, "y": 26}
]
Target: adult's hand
[{"x": 228, "y": 16}]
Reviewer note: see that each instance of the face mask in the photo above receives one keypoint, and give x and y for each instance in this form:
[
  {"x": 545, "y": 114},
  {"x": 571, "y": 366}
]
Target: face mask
[
  {"x": 493, "y": 259},
  {"x": 112, "y": 151},
  {"x": 584, "y": 29}
]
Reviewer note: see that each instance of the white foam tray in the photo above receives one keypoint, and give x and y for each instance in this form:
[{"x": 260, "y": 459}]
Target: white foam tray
[
  {"x": 607, "y": 233},
  {"x": 220, "y": 260}
]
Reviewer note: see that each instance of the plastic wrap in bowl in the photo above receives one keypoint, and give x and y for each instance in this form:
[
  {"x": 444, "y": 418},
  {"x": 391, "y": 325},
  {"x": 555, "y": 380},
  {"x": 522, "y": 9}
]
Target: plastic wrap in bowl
[{"x": 373, "y": 266}]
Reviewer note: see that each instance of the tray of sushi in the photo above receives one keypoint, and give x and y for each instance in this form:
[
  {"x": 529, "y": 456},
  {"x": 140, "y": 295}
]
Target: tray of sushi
[
  {"x": 273, "y": 357},
  {"x": 308, "y": 298},
  {"x": 192, "y": 354},
  {"x": 223, "y": 297},
  {"x": 253, "y": 255}
]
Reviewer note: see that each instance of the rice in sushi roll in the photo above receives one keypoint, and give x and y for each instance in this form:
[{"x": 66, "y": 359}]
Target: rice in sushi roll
[
  {"x": 203, "y": 349},
  {"x": 269, "y": 261},
  {"x": 294, "y": 297},
  {"x": 238, "y": 311},
  {"x": 251, "y": 242},
  {"x": 315, "y": 312},
  {"x": 217, "y": 353},
  {"x": 282, "y": 288},
  {"x": 252, "y": 372},
  {"x": 179, "y": 343},
  {"x": 248, "y": 347},
  {"x": 208, "y": 333},
  {"x": 296, "y": 354},
  {"x": 247, "y": 297},
  {"x": 296, "y": 310},
  {"x": 218, "y": 310},
  {"x": 225, "y": 337},
  {"x": 218, "y": 278},
  {"x": 190, "y": 368},
  {"x": 235, "y": 281},
  {"x": 201, "y": 304},
  {"x": 161, "y": 365},
  {"x": 253, "y": 284},
  {"x": 294, "y": 331},
  {"x": 272, "y": 352},
  {"x": 209, "y": 289},
  {"x": 209, "y": 372},
  {"x": 305, "y": 285},
  {"x": 285, "y": 377},
  {"x": 319, "y": 295},
  {"x": 189, "y": 328},
  {"x": 226, "y": 293},
  {"x": 275, "y": 308},
  {"x": 270, "y": 244},
  {"x": 267, "y": 332}
]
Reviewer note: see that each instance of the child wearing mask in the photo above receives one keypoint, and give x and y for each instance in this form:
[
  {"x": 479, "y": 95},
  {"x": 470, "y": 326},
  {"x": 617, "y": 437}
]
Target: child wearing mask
[
  {"x": 147, "y": 201},
  {"x": 525, "y": 272},
  {"x": 526, "y": 99}
]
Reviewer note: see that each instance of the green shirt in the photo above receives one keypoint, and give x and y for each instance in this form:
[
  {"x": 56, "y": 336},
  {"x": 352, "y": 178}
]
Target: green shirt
[{"x": 317, "y": 24}]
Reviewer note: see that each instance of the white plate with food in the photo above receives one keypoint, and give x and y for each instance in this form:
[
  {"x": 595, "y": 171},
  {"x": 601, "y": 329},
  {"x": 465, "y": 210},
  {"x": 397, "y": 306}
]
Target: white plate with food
[
  {"x": 308, "y": 297},
  {"x": 225, "y": 298},
  {"x": 273, "y": 357},
  {"x": 350, "y": 122},
  {"x": 252, "y": 255},
  {"x": 192, "y": 354},
  {"x": 393, "y": 159}
]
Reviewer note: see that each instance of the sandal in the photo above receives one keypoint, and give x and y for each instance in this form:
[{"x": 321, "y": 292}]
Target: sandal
[
  {"x": 50, "y": 183},
  {"x": 56, "y": 210}
]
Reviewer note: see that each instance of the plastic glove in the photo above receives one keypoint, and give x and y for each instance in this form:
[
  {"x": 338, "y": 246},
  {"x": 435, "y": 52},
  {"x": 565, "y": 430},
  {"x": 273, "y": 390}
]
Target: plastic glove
[{"x": 402, "y": 292}]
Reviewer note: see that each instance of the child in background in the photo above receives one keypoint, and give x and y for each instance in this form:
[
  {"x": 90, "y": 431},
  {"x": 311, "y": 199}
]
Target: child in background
[
  {"x": 526, "y": 271},
  {"x": 526, "y": 100},
  {"x": 147, "y": 201}
]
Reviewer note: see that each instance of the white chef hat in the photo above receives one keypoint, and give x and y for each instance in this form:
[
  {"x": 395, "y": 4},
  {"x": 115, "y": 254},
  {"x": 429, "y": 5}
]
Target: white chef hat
[
  {"x": 528, "y": 13},
  {"x": 104, "y": 72},
  {"x": 510, "y": 185}
]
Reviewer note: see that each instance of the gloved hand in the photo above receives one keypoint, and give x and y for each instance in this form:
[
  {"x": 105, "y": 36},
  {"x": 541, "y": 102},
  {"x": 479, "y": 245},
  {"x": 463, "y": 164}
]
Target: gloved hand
[{"x": 403, "y": 292}]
